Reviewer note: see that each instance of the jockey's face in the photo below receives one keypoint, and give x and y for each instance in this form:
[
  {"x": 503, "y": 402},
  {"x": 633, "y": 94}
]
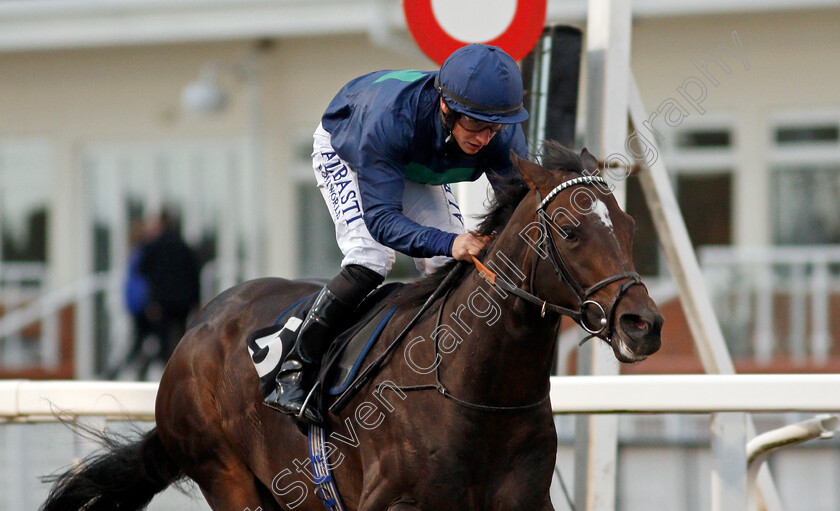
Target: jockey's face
[{"x": 472, "y": 135}]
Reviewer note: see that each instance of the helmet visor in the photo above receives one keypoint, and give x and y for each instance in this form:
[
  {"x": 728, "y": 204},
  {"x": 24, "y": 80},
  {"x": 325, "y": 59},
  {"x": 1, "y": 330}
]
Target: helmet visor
[{"x": 486, "y": 113}]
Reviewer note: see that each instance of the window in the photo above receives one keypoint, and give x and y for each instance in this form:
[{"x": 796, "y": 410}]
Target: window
[
  {"x": 26, "y": 187},
  {"x": 705, "y": 200},
  {"x": 198, "y": 181},
  {"x": 701, "y": 159},
  {"x": 805, "y": 178},
  {"x": 645, "y": 241},
  {"x": 704, "y": 139},
  {"x": 806, "y": 134},
  {"x": 807, "y": 211}
]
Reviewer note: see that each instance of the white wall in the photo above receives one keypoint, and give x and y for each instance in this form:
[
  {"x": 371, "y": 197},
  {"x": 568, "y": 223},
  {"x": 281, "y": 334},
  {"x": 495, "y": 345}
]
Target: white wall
[
  {"x": 72, "y": 98},
  {"x": 75, "y": 97},
  {"x": 792, "y": 65}
]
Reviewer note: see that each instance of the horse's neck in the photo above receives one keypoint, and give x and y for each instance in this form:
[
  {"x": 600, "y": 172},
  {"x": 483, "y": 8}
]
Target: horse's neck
[{"x": 507, "y": 355}]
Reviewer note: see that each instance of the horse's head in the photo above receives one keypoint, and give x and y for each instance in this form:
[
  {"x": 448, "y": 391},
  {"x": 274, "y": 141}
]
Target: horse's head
[{"x": 583, "y": 252}]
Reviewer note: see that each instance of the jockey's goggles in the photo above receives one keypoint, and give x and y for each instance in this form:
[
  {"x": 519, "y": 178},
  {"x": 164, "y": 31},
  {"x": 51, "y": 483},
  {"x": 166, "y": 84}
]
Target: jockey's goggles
[{"x": 476, "y": 126}]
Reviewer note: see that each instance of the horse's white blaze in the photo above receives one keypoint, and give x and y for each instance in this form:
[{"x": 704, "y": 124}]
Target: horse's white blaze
[{"x": 603, "y": 213}]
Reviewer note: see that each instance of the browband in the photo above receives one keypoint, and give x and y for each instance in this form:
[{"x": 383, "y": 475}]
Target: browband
[{"x": 585, "y": 180}]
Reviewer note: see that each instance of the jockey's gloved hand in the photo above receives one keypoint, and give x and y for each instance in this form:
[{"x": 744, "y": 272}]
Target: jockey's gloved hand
[{"x": 469, "y": 244}]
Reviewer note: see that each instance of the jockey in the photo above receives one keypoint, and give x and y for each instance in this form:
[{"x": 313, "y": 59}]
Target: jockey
[{"x": 387, "y": 148}]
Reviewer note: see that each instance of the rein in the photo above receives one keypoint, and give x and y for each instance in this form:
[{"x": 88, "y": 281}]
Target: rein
[
  {"x": 441, "y": 388},
  {"x": 604, "y": 329}
]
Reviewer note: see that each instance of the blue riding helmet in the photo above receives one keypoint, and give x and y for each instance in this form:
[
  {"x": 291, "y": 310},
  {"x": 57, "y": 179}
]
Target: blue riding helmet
[{"x": 483, "y": 82}]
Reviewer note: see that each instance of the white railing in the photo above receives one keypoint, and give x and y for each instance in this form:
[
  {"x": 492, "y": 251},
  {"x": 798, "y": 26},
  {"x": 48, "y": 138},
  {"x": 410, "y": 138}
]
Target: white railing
[
  {"x": 43, "y": 310},
  {"x": 20, "y": 284},
  {"x": 93, "y": 402},
  {"x": 724, "y": 396},
  {"x": 775, "y": 300},
  {"x": 22, "y": 400},
  {"x": 39, "y": 401},
  {"x": 25, "y": 302}
]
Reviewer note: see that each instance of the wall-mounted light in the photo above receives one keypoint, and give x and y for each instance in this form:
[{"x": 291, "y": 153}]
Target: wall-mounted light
[{"x": 204, "y": 95}]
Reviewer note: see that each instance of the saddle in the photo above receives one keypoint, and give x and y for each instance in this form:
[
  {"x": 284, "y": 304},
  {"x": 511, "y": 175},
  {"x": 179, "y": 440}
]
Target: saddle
[{"x": 340, "y": 365}]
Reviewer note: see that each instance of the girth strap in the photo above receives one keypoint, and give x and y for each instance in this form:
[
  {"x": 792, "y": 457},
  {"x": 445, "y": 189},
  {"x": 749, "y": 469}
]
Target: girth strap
[{"x": 326, "y": 489}]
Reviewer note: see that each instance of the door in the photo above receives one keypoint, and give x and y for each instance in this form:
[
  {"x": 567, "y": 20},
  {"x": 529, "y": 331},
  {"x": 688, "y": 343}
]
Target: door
[{"x": 198, "y": 182}]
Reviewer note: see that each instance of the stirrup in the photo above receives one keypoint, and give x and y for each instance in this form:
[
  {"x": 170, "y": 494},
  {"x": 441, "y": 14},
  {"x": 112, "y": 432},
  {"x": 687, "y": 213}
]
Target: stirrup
[{"x": 306, "y": 403}]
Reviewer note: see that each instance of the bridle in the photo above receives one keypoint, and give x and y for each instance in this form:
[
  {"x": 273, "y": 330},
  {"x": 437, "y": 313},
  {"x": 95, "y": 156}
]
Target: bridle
[
  {"x": 548, "y": 246},
  {"x": 606, "y": 324},
  {"x": 604, "y": 329}
]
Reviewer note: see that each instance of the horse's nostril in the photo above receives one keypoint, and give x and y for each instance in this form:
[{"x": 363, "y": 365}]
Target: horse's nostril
[
  {"x": 637, "y": 325},
  {"x": 641, "y": 324},
  {"x": 634, "y": 324}
]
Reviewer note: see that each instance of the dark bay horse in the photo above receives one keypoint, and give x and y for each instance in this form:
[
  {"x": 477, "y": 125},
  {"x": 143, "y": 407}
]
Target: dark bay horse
[{"x": 458, "y": 417}]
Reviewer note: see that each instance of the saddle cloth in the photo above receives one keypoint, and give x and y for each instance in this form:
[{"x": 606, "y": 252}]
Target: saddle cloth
[{"x": 268, "y": 346}]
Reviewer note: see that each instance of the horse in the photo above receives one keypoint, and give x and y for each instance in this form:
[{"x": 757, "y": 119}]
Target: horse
[{"x": 457, "y": 416}]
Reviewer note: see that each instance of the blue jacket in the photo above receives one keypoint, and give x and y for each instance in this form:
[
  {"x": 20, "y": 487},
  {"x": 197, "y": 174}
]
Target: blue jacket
[
  {"x": 136, "y": 287},
  {"x": 386, "y": 126}
]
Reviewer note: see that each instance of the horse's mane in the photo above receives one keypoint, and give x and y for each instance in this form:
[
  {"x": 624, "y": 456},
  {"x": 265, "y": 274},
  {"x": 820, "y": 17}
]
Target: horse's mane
[{"x": 509, "y": 192}]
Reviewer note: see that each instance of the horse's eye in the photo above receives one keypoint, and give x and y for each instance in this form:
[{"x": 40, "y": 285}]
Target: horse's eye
[{"x": 569, "y": 233}]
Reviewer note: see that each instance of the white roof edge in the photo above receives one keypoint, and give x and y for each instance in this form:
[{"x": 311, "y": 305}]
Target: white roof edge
[
  {"x": 78, "y": 23},
  {"x": 575, "y": 10},
  {"x": 43, "y": 24}
]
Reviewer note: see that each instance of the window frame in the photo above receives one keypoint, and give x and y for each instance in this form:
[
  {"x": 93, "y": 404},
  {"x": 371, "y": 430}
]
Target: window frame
[
  {"x": 815, "y": 153},
  {"x": 683, "y": 161},
  {"x": 799, "y": 157}
]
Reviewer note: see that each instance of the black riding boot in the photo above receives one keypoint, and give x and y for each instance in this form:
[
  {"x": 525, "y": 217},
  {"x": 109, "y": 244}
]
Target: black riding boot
[{"x": 300, "y": 367}]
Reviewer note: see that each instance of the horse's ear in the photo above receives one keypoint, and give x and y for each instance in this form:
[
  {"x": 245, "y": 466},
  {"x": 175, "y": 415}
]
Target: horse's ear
[
  {"x": 531, "y": 173},
  {"x": 556, "y": 156},
  {"x": 589, "y": 161}
]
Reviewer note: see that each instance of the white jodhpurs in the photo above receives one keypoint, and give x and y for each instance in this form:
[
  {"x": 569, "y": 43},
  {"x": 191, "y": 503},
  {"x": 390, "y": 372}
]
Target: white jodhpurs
[{"x": 428, "y": 205}]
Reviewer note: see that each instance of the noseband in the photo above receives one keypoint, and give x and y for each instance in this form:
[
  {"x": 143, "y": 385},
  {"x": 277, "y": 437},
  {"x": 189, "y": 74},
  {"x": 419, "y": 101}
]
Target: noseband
[{"x": 606, "y": 324}]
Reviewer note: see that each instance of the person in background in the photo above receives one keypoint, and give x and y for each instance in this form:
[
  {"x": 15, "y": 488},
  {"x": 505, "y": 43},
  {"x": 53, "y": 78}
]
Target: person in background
[
  {"x": 171, "y": 269},
  {"x": 136, "y": 298}
]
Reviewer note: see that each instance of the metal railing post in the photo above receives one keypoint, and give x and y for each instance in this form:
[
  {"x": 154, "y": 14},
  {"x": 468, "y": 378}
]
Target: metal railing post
[
  {"x": 760, "y": 447},
  {"x": 729, "y": 475}
]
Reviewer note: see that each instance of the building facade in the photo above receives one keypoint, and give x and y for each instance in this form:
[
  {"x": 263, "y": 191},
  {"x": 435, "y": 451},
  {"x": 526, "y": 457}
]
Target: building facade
[{"x": 95, "y": 134}]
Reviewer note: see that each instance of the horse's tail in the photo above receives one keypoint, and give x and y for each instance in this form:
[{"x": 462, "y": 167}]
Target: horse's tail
[{"x": 126, "y": 477}]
